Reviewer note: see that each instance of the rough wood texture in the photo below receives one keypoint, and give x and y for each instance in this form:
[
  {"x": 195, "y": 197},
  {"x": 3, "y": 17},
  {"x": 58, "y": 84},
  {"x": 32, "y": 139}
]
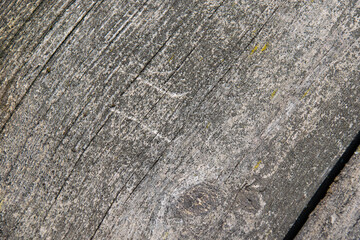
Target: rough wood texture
[
  {"x": 338, "y": 215},
  {"x": 171, "y": 119}
]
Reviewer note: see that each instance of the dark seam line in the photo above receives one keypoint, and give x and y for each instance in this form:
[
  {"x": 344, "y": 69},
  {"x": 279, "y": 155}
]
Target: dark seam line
[{"x": 323, "y": 188}]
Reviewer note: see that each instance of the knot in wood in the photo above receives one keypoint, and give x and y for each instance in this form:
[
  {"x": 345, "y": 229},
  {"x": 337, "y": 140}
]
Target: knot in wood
[{"x": 198, "y": 200}]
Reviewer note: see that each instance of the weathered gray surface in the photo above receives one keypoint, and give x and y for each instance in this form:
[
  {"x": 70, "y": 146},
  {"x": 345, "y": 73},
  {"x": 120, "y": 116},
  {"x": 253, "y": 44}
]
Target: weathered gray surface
[
  {"x": 175, "y": 119},
  {"x": 338, "y": 215}
]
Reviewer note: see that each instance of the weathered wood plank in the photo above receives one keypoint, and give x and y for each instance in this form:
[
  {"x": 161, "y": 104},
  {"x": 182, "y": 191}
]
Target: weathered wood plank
[
  {"x": 175, "y": 119},
  {"x": 53, "y": 138},
  {"x": 337, "y": 216}
]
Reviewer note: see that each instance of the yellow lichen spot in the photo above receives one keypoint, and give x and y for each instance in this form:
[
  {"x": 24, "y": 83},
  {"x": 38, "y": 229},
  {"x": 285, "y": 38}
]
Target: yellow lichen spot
[
  {"x": 306, "y": 93},
  {"x": 166, "y": 235},
  {"x": 254, "y": 32},
  {"x": 171, "y": 58},
  {"x": 1, "y": 203},
  {"x": 273, "y": 93},
  {"x": 254, "y": 49},
  {"x": 208, "y": 125},
  {"x": 222, "y": 60},
  {"x": 257, "y": 165},
  {"x": 201, "y": 58},
  {"x": 264, "y": 47}
]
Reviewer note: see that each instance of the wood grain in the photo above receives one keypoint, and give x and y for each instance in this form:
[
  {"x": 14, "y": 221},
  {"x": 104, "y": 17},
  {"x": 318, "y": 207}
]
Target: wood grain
[{"x": 172, "y": 119}]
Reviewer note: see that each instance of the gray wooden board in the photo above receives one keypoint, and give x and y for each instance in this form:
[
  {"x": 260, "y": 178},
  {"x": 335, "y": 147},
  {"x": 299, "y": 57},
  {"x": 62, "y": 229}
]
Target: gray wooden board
[
  {"x": 338, "y": 215},
  {"x": 171, "y": 119}
]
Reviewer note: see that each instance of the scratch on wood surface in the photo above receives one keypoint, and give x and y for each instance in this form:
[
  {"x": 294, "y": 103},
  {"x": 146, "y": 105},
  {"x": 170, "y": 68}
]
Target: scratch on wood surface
[
  {"x": 164, "y": 91},
  {"x": 160, "y": 72},
  {"x": 153, "y": 131},
  {"x": 290, "y": 108}
]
